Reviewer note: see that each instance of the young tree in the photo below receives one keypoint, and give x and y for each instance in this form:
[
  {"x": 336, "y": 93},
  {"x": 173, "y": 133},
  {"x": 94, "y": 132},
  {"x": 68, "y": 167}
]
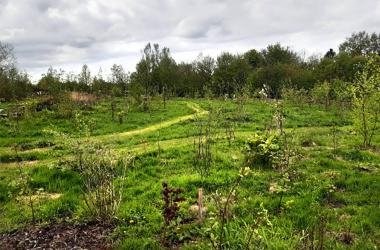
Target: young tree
[
  {"x": 366, "y": 98},
  {"x": 321, "y": 93}
]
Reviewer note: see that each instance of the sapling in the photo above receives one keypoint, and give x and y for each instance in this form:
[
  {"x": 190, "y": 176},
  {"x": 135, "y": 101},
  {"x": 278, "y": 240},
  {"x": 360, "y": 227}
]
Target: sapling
[
  {"x": 228, "y": 125},
  {"x": 224, "y": 209},
  {"x": 334, "y": 132},
  {"x": 113, "y": 109},
  {"x": 23, "y": 183},
  {"x": 261, "y": 218},
  {"x": 279, "y": 117},
  {"x": 158, "y": 140},
  {"x": 366, "y": 99},
  {"x": 120, "y": 116},
  {"x": 202, "y": 146}
]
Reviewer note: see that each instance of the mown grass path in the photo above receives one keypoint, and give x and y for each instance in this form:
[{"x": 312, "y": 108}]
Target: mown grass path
[
  {"x": 198, "y": 111},
  {"x": 145, "y": 147}
]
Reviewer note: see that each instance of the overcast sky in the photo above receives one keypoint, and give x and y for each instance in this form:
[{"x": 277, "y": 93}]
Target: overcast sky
[{"x": 68, "y": 33}]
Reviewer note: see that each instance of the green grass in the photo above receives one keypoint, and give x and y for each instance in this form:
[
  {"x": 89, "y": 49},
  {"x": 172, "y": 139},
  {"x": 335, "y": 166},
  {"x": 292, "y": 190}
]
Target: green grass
[{"x": 343, "y": 186}]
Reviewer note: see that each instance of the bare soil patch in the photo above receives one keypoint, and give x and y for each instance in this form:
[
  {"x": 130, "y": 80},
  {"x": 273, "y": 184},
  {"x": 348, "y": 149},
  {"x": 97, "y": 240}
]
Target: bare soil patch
[{"x": 63, "y": 235}]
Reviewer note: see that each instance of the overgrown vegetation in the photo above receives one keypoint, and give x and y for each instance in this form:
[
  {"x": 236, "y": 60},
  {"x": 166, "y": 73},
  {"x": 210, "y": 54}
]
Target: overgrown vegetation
[{"x": 243, "y": 171}]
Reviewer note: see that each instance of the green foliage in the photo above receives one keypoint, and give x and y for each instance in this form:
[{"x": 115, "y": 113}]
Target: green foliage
[
  {"x": 277, "y": 54},
  {"x": 366, "y": 99},
  {"x": 321, "y": 93},
  {"x": 262, "y": 150},
  {"x": 99, "y": 172},
  {"x": 361, "y": 43},
  {"x": 323, "y": 196},
  {"x": 297, "y": 97}
]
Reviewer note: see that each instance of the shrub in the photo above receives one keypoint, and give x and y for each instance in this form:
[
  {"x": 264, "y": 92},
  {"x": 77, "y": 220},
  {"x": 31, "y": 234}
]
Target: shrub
[
  {"x": 100, "y": 172},
  {"x": 262, "y": 150}
]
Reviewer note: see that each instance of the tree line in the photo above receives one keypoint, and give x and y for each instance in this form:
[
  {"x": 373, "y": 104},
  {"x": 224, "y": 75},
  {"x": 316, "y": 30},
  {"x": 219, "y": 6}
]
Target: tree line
[{"x": 268, "y": 72}]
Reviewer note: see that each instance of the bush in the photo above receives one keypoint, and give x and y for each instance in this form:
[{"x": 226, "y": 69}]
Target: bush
[
  {"x": 262, "y": 150},
  {"x": 100, "y": 171}
]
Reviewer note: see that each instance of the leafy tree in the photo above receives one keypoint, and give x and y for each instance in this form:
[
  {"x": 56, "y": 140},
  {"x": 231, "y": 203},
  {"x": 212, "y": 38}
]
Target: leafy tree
[
  {"x": 146, "y": 72},
  {"x": 272, "y": 79},
  {"x": 186, "y": 79},
  {"x": 99, "y": 85},
  {"x": 343, "y": 66},
  {"x": 230, "y": 75},
  {"x": 366, "y": 98},
  {"x": 254, "y": 58},
  {"x": 361, "y": 43},
  {"x": 120, "y": 78},
  {"x": 166, "y": 69},
  {"x": 223, "y": 75},
  {"x": 84, "y": 78},
  {"x": 204, "y": 66},
  {"x": 50, "y": 82},
  {"x": 275, "y": 54}
]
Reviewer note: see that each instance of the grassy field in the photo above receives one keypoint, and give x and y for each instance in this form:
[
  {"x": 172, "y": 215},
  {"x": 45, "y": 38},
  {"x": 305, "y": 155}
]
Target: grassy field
[{"x": 330, "y": 196}]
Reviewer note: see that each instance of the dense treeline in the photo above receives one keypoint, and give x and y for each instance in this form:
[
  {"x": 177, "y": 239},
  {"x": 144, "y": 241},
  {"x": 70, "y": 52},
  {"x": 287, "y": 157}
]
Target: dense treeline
[{"x": 267, "y": 72}]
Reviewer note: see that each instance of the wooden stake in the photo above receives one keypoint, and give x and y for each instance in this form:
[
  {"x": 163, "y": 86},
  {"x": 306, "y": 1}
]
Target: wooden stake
[{"x": 200, "y": 204}]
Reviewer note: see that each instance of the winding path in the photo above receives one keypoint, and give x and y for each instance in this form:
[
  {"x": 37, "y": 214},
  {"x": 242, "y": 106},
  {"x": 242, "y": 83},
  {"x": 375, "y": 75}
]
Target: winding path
[
  {"x": 140, "y": 148},
  {"x": 198, "y": 111}
]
